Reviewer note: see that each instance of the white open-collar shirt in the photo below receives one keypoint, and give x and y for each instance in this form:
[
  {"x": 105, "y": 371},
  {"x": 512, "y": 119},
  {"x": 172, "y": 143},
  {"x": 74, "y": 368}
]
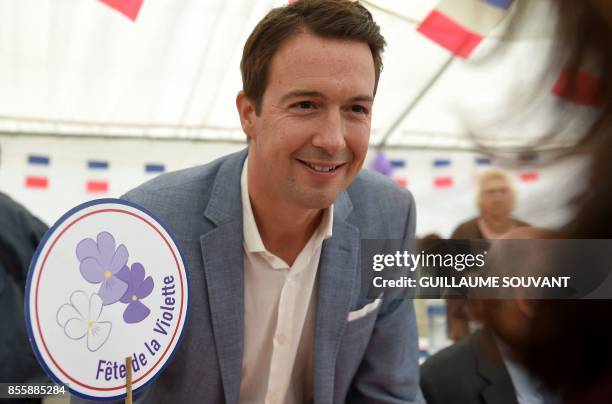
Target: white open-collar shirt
[{"x": 279, "y": 314}]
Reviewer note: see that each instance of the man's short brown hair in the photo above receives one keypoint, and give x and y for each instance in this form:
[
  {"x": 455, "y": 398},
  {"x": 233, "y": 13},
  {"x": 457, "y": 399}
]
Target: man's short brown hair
[{"x": 343, "y": 19}]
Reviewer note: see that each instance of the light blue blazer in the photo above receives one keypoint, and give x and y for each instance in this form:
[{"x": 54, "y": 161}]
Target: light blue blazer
[{"x": 372, "y": 359}]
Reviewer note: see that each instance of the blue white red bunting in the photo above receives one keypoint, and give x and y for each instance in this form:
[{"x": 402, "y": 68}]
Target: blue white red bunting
[
  {"x": 36, "y": 182},
  {"x": 503, "y": 4},
  {"x": 97, "y": 187},
  {"x": 129, "y": 8},
  {"x": 583, "y": 91},
  {"x": 443, "y": 182},
  {"x": 97, "y": 165},
  {"x": 529, "y": 176},
  {"x": 398, "y": 163},
  {"x": 459, "y": 26},
  {"x": 38, "y": 160},
  {"x": 401, "y": 181},
  {"x": 154, "y": 168},
  {"x": 438, "y": 163}
]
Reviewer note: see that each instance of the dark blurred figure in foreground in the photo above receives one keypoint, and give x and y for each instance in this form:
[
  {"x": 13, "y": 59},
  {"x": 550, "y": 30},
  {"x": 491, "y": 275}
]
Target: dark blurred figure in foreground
[
  {"x": 469, "y": 371},
  {"x": 569, "y": 342},
  {"x": 496, "y": 199},
  {"x": 20, "y": 233},
  {"x": 482, "y": 368}
]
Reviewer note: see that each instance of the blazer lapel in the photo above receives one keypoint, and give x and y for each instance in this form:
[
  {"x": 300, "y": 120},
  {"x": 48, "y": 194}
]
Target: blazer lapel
[
  {"x": 337, "y": 277},
  {"x": 491, "y": 367},
  {"x": 223, "y": 268}
]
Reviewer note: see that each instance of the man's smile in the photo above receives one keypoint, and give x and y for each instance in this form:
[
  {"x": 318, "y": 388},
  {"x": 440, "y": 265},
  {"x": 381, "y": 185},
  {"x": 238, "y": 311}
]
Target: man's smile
[{"x": 322, "y": 167}]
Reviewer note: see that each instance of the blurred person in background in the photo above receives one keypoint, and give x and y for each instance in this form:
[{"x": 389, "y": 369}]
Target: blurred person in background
[
  {"x": 496, "y": 199},
  {"x": 20, "y": 233},
  {"x": 568, "y": 345}
]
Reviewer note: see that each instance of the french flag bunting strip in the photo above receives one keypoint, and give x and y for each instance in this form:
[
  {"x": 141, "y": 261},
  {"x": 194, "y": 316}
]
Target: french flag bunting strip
[
  {"x": 583, "y": 91},
  {"x": 443, "y": 182},
  {"x": 401, "y": 181},
  {"x": 442, "y": 173},
  {"x": 398, "y": 163},
  {"x": 483, "y": 161},
  {"x": 37, "y": 166},
  {"x": 97, "y": 165},
  {"x": 503, "y": 4},
  {"x": 459, "y": 26},
  {"x": 36, "y": 182},
  {"x": 129, "y": 8},
  {"x": 154, "y": 168},
  {"x": 37, "y": 159},
  {"x": 439, "y": 163},
  {"x": 529, "y": 176},
  {"x": 97, "y": 186}
]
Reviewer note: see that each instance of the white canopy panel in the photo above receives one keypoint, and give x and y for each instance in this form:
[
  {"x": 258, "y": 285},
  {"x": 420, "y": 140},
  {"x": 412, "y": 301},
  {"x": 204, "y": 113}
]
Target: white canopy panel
[{"x": 79, "y": 67}]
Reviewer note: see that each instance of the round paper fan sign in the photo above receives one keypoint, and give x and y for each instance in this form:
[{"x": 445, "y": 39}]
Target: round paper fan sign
[{"x": 108, "y": 282}]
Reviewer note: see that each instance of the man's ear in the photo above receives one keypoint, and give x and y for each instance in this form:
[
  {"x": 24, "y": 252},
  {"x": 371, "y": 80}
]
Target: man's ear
[{"x": 246, "y": 110}]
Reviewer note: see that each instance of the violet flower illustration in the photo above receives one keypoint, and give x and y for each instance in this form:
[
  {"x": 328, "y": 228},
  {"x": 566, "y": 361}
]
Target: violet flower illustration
[
  {"x": 139, "y": 287},
  {"x": 100, "y": 262}
]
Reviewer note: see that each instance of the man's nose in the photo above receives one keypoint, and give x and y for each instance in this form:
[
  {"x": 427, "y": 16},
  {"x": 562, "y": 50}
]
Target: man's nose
[{"x": 331, "y": 134}]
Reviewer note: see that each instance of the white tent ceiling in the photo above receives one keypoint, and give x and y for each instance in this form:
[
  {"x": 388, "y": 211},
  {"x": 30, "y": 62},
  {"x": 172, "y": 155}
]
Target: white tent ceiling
[{"x": 78, "y": 67}]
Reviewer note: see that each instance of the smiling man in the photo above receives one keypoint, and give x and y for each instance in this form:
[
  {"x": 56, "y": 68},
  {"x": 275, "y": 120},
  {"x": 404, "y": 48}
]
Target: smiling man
[
  {"x": 272, "y": 234},
  {"x": 308, "y": 134}
]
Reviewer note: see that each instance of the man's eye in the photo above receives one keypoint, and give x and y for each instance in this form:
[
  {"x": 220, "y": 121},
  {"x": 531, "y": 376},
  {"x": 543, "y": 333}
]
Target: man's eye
[
  {"x": 359, "y": 109},
  {"x": 304, "y": 105}
]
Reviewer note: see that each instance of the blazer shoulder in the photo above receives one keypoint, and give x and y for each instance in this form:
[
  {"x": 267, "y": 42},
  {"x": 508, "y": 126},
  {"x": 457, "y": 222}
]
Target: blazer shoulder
[
  {"x": 451, "y": 375},
  {"x": 373, "y": 189},
  {"x": 381, "y": 208},
  {"x": 190, "y": 186}
]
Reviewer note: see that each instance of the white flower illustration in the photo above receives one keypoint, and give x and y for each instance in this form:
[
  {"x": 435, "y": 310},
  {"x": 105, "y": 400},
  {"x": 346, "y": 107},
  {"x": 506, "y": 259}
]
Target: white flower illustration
[{"x": 79, "y": 318}]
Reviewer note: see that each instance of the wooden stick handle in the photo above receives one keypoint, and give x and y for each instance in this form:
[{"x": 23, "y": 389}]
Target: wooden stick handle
[{"x": 128, "y": 381}]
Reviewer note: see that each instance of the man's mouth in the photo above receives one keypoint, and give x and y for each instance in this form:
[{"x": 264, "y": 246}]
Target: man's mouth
[{"x": 322, "y": 168}]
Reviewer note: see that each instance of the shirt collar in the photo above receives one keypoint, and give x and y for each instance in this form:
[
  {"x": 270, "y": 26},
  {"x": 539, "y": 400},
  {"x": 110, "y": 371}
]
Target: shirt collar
[
  {"x": 528, "y": 389},
  {"x": 252, "y": 238}
]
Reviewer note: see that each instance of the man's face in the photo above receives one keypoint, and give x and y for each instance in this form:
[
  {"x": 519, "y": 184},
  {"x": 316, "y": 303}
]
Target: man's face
[
  {"x": 496, "y": 198},
  {"x": 311, "y": 136}
]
